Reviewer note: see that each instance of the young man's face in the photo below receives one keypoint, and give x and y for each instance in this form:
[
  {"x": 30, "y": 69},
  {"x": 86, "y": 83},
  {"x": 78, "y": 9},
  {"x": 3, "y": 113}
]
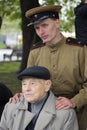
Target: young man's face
[
  {"x": 35, "y": 89},
  {"x": 47, "y": 30}
]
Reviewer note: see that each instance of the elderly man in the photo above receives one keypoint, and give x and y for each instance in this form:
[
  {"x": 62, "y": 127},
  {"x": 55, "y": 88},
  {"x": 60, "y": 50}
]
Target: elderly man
[{"x": 36, "y": 110}]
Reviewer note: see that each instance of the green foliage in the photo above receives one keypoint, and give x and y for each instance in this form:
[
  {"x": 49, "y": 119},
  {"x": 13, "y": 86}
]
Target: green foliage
[
  {"x": 67, "y": 23},
  {"x": 8, "y": 7},
  {"x": 9, "y": 67},
  {"x": 11, "y": 81},
  {"x": 2, "y": 45},
  {"x": 8, "y": 76},
  {"x": 66, "y": 14},
  {"x": 11, "y": 8},
  {"x": 16, "y": 12},
  {"x": 48, "y": 2}
]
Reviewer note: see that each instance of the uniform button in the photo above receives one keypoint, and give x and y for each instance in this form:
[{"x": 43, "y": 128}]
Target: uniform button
[
  {"x": 53, "y": 65},
  {"x": 79, "y": 42},
  {"x": 14, "y": 115},
  {"x": 68, "y": 40}
]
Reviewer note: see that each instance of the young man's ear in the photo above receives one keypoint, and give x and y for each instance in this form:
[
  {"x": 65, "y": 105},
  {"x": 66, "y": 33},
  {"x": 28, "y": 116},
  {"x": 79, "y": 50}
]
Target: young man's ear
[{"x": 58, "y": 23}]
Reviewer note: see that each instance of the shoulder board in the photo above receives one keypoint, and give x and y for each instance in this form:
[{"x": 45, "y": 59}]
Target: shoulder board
[
  {"x": 75, "y": 42},
  {"x": 37, "y": 45}
]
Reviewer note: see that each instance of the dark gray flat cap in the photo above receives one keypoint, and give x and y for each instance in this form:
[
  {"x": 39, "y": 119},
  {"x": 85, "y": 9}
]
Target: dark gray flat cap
[{"x": 35, "y": 72}]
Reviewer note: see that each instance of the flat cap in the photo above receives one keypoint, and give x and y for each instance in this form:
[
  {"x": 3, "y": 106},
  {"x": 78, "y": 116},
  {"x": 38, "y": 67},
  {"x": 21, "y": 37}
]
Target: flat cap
[
  {"x": 35, "y": 72},
  {"x": 38, "y": 14}
]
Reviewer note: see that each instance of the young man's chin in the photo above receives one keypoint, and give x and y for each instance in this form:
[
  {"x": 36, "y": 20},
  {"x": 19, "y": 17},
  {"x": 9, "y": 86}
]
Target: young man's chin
[{"x": 46, "y": 41}]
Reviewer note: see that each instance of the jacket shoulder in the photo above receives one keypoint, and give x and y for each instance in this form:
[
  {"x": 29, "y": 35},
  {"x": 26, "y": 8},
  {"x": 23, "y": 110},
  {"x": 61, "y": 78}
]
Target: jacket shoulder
[
  {"x": 74, "y": 42},
  {"x": 37, "y": 45}
]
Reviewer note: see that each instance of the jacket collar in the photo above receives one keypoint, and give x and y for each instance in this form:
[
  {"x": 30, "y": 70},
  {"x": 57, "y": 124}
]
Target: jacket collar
[
  {"x": 47, "y": 114},
  {"x": 58, "y": 44}
]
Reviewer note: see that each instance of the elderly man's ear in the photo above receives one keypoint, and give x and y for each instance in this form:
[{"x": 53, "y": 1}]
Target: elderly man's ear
[{"x": 48, "y": 84}]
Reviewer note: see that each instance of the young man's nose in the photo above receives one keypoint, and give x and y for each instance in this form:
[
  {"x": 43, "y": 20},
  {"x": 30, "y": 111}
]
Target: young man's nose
[{"x": 41, "y": 31}]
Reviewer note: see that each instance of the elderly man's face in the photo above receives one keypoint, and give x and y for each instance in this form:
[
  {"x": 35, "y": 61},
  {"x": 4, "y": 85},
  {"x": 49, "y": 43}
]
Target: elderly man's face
[
  {"x": 35, "y": 89},
  {"x": 48, "y": 30}
]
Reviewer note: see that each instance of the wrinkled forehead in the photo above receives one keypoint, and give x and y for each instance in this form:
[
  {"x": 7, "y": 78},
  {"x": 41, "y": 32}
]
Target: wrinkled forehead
[{"x": 32, "y": 79}]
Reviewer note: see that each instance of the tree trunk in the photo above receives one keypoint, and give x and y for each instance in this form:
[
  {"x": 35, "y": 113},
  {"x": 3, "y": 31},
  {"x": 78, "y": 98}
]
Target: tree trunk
[
  {"x": 0, "y": 22},
  {"x": 28, "y": 32}
]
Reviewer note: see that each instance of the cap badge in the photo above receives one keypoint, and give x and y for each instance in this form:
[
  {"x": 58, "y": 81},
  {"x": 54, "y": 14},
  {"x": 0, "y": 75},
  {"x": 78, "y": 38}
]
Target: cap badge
[
  {"x": 35, "y": 16},
  {"x": 53, "y": 15}
]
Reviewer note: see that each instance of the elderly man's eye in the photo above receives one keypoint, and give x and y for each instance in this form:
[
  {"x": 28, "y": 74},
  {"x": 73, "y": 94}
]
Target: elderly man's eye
[
  {"x": 24, "y": 84},
  {"x": 32, "y": 83}
]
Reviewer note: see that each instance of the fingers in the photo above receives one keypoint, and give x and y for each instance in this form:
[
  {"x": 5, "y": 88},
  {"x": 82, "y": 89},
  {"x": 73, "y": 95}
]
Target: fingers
[
  {"x": 63, "y": 106},
  {"x": 15, "y": 98},
  {"x": 64, "y": 103}
]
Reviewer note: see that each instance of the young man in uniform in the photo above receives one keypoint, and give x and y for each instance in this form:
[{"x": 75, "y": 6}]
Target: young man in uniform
[
  {"x": 65, "y": 59},
  {"x": 36, "y": 110}
]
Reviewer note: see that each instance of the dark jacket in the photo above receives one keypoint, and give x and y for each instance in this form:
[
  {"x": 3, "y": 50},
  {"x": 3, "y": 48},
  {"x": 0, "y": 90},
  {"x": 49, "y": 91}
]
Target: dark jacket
[
  {"x": 5, "y": 94},
  {"x": 81, "y": 22}
]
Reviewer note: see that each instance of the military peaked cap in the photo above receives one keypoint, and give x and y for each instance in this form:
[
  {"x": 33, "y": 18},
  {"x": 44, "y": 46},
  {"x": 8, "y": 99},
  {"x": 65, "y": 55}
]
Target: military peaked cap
[{"x": 38, "y": 14}]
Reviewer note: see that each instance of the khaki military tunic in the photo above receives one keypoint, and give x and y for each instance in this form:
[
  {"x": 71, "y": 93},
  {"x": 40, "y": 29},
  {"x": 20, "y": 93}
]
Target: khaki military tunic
[{"x": 68, "y": 69}]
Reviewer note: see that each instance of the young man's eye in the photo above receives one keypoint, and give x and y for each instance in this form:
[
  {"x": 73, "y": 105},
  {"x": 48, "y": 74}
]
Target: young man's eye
[
  {"x": 45, "y": 25},
  {"x": 36, "y": 28}
]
